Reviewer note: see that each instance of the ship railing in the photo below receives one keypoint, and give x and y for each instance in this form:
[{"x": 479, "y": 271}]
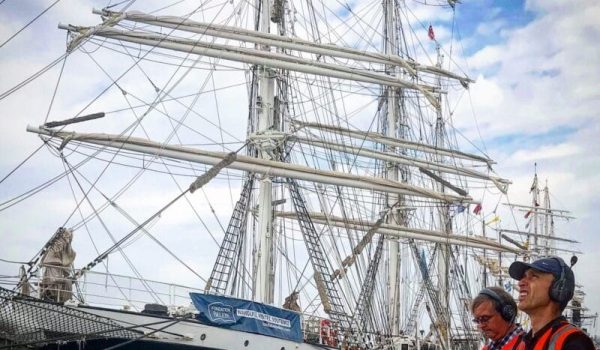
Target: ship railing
[
  {"x": 320, "y": 331},
  {"x": 326, "y": 332},
  {"x": 133, "y": 293},
  {"x": 112, "y": 291}
]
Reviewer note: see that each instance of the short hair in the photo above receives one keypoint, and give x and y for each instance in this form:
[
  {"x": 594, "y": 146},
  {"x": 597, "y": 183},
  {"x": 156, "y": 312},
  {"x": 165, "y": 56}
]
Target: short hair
[{"x": 505, "y": 297}]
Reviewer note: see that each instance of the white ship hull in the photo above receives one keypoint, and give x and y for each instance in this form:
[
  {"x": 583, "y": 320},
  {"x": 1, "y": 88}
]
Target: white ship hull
[{"x": 189, "y": 332}]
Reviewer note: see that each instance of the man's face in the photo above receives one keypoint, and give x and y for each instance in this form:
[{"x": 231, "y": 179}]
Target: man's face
[
  {"x": 534, "y": 290},
  {"x": 489, "y": 321}
]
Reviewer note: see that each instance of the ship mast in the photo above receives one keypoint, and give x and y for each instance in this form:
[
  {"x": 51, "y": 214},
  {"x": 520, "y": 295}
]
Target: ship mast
[
  {"x": 445, "y": 222},
  {"x": 264, "y": 273},
  {"x": 548, "y": 223},
  {"x": 535, "y": 200},
  {"x": 392, "y": 95}
]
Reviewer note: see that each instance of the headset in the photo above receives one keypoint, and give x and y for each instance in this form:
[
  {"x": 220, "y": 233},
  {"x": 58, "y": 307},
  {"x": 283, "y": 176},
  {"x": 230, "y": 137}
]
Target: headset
[
  {"x": 563, "y": 288},
  {"x": 506, "y": 310}
]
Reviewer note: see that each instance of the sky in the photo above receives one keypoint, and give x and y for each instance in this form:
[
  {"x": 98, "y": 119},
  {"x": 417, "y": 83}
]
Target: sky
[{"x": 535, "y": 101}]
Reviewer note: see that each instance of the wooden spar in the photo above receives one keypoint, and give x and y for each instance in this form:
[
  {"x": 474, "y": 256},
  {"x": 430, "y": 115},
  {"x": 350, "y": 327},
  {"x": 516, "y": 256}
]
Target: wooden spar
[
  {"x": 241, "y": 34},
  {"x": 529, "y": 207},
  {"x": 443, "y": 181},
  {"x": 83, "y": 118},
  {"x": 375, "y": 137},
  {"x": 259, "y": 57},
  {"x": 544, "y": 211},
  {"x": 261, "y": 166},
  {"x": 402, "y": 159},
  {"x": 523, "y": 233},
  {"x": 514, "y": 242},
  {"x": 396, "y": 231}
]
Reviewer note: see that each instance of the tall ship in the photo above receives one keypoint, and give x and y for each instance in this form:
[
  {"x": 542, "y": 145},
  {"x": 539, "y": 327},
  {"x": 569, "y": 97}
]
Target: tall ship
[{"x": 273, "y": 174}]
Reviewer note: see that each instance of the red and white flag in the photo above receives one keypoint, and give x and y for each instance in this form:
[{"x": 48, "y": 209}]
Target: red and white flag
[{"x": 431, "y": 33}]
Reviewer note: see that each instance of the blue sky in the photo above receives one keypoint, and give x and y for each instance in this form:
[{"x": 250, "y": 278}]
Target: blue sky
[
  {"x": 480, "y": 19},
  {"x": 516, "y": 141},
  {"x": 536, "y": 99}
]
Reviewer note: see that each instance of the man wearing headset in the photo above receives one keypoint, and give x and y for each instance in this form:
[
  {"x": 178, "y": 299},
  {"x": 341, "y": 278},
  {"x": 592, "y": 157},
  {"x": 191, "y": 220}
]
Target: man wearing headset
[
  {"x": 495, "y": 311},
  {"x": 545, "y": 287}
]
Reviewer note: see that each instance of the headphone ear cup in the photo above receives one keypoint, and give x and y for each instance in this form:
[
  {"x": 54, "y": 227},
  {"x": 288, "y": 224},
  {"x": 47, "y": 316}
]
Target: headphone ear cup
[
  {"x": 562, "y": 290},
  {"x": 557, "y": 290},
  {"x": 508, "y": 313},
  {"x": 569, "y": 287}
]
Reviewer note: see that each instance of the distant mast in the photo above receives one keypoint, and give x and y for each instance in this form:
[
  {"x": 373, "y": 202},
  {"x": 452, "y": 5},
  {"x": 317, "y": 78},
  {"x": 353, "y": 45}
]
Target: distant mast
[
  {"x": 535, "y": 204},
  {"x": 548, "y": 223}
]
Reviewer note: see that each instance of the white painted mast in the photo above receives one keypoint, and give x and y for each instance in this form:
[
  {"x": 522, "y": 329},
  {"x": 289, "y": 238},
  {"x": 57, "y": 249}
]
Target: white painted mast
[
  {"x": 264, "y": 274},
  {"x": 391, "y": 171},
  {"x": 444, "y": 223},
  {"x": 535, "y": 202},
  {"x": 548, "y": 224}
]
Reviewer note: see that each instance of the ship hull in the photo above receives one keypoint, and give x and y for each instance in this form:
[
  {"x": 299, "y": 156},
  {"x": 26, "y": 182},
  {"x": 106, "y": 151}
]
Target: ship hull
[
  {"x": 98, "y": 344},
  {"x": 189, "y": 334}
]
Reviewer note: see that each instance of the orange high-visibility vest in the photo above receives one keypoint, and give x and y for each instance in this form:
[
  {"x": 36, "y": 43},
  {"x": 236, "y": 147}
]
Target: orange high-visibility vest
[{"x": 555, "y": 338}]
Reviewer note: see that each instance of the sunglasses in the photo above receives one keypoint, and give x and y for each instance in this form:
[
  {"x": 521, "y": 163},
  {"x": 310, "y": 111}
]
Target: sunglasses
[{"x": 482, "y": 319}]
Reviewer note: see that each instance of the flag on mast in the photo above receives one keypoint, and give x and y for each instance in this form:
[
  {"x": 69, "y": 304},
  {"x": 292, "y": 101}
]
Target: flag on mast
[
  {"x": 431, "y": 33},
  {"x": 495, "y": 219}
]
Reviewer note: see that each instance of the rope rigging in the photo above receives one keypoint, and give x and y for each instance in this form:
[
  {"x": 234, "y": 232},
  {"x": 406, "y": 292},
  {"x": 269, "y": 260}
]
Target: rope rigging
[
  {"x": 29, "y": 23},
  {"x": 203, "y": 179},
  {"x": 331, "y": 101}
]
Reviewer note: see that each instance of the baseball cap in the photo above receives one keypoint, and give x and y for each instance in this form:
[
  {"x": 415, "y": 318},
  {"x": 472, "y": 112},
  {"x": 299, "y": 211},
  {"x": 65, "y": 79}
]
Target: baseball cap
[{"x": 549, "y": 265}]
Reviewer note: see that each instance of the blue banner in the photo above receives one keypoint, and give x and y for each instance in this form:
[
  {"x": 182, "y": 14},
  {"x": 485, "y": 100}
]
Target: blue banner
[{"x": 247, "y": 316}]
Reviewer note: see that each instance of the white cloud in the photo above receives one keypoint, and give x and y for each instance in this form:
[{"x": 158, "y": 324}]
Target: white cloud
[
  {"x": 542, "y": 77},
  {"x": 545, "y": 70},
  {"x": 486, "y": 57},
  {"x": 546, "y": 152}
]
